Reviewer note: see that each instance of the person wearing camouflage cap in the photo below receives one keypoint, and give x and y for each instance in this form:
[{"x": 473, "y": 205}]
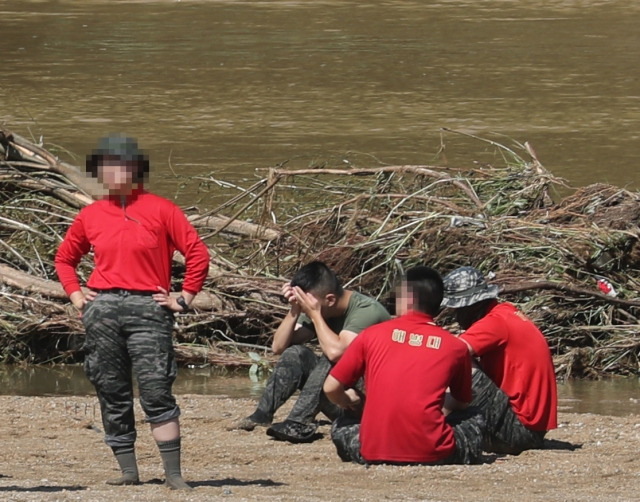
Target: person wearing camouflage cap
[
  {"x": 514, "y": 378},
  {"x": 127, "y": 311}
]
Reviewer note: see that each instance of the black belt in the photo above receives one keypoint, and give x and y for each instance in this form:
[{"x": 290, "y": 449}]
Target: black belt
[{"x": 126, "y": 292}]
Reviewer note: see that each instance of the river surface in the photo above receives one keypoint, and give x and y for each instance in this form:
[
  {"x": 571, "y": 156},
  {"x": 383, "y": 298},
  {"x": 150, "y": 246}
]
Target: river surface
[
  {"x": 616, "y": 396},
  {"x": 230, "y": 86}
]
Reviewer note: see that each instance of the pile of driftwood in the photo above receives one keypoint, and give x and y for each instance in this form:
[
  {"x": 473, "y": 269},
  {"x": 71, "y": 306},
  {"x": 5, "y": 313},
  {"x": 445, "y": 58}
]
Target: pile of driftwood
[{"x": 369, "y": 224}]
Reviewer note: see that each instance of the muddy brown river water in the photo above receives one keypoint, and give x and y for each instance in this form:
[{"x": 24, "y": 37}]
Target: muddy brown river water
[
  {"x": 618, "y": 397},
  {"x": 228, "y": 87}
]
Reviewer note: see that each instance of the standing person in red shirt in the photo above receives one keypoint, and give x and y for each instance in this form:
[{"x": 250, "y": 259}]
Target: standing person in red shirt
[
  {"x": 407, "y": 363},
  {"x": 515, "y": 383},
  {"x": 128, "y": 313}
]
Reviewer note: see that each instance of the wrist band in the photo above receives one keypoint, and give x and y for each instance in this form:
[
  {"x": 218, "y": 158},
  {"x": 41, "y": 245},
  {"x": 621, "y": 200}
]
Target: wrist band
[{"x": 183, "y": 303}]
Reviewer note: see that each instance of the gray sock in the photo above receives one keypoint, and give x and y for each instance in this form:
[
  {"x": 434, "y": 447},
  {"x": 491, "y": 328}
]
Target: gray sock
[
  {"x": 126, "y": 457},
  {"x": 170, "y": 453}
]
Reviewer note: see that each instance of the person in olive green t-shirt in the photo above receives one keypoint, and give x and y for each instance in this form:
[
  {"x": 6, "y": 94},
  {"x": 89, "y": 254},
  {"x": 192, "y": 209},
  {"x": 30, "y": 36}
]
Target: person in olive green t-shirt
[{"x": 320, "y": 308}]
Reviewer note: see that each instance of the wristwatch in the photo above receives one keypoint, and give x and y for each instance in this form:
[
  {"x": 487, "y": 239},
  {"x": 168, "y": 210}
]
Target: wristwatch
[{"x": 183, "y": 303}]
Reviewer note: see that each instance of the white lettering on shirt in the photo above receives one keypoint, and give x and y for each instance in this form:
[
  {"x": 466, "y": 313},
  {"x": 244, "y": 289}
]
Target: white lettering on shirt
[
  {"x": 433, "y": 342},
  {"x": 398, "y": 335},
  {"x": 415, "y": 340}
]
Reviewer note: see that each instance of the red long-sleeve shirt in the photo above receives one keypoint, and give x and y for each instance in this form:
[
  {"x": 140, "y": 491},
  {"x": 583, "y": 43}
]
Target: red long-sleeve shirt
[
  {"x": 515, "y": 355},
  {"x": 133, "y": 241}
]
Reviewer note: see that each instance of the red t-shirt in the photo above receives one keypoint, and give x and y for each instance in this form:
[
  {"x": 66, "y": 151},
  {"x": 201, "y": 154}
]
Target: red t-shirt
[
  {"x": 133, "y": 245},
  {"x": 407, "y": 363},
  {"x": 515, "y": 355}
]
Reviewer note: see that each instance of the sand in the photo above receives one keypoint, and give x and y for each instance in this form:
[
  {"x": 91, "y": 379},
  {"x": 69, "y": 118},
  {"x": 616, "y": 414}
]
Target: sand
[{"x": 53, "y": 449}]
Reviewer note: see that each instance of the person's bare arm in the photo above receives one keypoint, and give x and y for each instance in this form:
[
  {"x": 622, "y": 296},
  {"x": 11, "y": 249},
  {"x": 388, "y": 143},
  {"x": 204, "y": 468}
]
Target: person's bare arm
[
  {"x": 332, "y": 344},
  {"x": 347, "y": 399},
  {"x": 170, "y": 301},
  {"x": 290, "y": 332}
]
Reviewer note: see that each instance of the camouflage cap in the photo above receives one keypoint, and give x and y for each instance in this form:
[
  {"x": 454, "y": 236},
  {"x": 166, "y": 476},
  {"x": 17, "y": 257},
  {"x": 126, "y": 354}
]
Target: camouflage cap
[
  {"x": 117, "y": 146},
  {"x": 465, "y": 286}
]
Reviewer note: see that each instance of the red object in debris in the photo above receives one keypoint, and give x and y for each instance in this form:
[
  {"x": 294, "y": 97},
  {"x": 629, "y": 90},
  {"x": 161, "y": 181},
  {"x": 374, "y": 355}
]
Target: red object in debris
[{"x": 606, "y": 287}]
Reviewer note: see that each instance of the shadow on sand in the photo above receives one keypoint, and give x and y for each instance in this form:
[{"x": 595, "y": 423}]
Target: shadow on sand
[
  {"x": 554, "y": 444},
  {"x": 222, "y": 482},
  {"x": 42, "y": 489}
]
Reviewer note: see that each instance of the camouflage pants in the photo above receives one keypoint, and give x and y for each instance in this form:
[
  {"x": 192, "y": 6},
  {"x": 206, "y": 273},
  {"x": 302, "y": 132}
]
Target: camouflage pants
[
  {"x": 128, "y": 334},
  {"x": 505, "y": 433},
  {"x": 468, "y": 430},
  {"x": 298, "y": 368}
]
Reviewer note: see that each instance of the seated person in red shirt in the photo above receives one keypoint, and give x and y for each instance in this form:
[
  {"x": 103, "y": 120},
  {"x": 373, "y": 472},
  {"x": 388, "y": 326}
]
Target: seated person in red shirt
[
  {"x": 408, "y": 363},
  {"x": 515, "y": 384}
]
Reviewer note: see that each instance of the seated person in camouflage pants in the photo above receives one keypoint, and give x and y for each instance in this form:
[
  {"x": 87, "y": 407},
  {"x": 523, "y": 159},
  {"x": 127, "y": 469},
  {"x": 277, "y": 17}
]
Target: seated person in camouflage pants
[
  {"x": 514, "y": 380},
  {"x": 320, "y": 308},
  {"x": 408, "y": 363}
]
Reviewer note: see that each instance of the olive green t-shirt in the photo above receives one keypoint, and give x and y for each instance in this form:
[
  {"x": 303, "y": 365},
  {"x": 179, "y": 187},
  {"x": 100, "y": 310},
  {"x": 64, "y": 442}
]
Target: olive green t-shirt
[{"x": 362, "y": 312}]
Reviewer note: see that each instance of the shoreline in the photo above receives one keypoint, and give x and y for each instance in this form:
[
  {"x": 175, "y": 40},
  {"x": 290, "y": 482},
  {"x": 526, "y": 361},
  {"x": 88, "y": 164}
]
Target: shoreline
[{"x": 617, "y": 396}]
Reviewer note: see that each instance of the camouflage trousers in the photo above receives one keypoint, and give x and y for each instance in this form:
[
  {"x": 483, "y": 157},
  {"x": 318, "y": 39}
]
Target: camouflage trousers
[
  {"x": 298, "y": 368},
  {"x": 468, "y": 431},
  {"x": 126, "y": 335},
  {"x": 505, "y": 433}
]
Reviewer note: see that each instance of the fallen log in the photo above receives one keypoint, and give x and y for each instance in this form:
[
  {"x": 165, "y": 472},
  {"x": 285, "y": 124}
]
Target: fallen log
[
  {"x": 29, "y": 154},
  {"x": 238, "y": 227}
]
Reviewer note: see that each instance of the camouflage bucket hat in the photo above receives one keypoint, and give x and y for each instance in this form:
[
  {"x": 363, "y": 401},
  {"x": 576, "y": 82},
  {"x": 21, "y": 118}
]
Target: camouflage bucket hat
[
  {"x": 116, "y": 146},
  {"x": 465, "y": 286}
]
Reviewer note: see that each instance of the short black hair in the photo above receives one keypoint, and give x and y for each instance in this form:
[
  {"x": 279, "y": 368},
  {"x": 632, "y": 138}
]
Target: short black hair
[
  {"x": 426, "y": 286},
  {"x": 316, "y": 277}
]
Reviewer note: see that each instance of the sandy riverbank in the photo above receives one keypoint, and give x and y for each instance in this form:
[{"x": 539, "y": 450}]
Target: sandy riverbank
[{"x": 52, "y": 451}]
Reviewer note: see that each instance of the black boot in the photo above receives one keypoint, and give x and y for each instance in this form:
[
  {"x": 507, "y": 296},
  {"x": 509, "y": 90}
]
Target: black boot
[{"x": 294, "y": 432}]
